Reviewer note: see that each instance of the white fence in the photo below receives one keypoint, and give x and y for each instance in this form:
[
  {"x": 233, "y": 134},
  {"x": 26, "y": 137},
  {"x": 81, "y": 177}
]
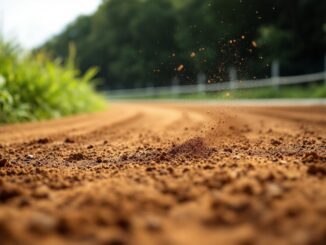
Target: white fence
[{"x": 215, "y": 87}]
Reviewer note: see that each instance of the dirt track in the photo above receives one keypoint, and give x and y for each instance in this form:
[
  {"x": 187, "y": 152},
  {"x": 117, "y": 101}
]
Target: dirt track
[{"x": 166, "y": 174}]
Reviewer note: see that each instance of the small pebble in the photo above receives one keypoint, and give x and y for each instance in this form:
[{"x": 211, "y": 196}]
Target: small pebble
[{"x": 30, "y": 156}]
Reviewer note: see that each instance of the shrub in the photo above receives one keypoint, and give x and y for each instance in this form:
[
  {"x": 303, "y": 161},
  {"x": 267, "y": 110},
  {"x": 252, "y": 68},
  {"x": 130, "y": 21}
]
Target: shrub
[{"x": 34, "y": 87}]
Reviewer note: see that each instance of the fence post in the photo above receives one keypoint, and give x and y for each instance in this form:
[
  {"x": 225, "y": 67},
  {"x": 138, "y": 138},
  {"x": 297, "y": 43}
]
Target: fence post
[
  {"x": 276, "y": 73},
  {"x": 325, "y": 69},
  {"x": 201, "y": 82},
  {"x": 175, "y": 85},
  {"x": 2, "y": 22},
  {"x": 233, "y": 78},
  {"x": 150, "y": 89}
]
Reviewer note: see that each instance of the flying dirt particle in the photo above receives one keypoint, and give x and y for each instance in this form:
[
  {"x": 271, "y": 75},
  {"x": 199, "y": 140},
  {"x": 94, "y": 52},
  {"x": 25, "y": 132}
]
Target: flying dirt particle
[
  {"x": 180, "y": 68},
  {"x": 254, "y": 44},
  {"x": 173, "y": 55},
  {"x": 243, "y": 37},
  {"x": 193, "y": 55}
]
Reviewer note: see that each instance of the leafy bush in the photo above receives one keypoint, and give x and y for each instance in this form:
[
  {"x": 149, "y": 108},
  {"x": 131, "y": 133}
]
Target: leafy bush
[{"x": 33, "y": 87}]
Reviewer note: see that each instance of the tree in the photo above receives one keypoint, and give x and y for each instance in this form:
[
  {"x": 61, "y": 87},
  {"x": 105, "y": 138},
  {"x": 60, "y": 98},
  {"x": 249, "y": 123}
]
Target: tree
[{"x": 141, "y": 42}]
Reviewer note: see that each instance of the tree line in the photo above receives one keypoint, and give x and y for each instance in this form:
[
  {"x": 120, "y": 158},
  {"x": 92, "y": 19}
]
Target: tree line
[{"x": 140, "y": 42}]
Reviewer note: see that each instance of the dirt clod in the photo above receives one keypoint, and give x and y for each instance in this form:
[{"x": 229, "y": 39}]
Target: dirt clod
[
  {"x": 3, "y": 162},
  {"x": 69, "y": 141},
  {"x": 8, "y": 192},
  {"x": 310, "y": 157},
  {"x": 75, "y": 157},
  {"x": 30, "y": 156},
  {"x": 43, "y": 141},
  {"x": 192, "y": 147},
  {"x": 317, "y": 169},
  {"x": 275, "y": 142}
]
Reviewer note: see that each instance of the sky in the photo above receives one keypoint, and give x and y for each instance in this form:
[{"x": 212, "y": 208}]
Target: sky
[{"x": 31, "y": 22}]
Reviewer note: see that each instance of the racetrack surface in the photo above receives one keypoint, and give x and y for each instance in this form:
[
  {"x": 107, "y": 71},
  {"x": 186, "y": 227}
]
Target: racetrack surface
[{"x": 167, "y": 173}]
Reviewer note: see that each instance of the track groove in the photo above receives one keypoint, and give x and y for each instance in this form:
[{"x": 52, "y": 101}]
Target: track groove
[{"x": 166, "y": 174}]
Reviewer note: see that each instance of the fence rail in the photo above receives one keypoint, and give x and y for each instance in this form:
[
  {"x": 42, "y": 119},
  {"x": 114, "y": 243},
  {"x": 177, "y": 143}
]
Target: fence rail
[{"x": 216, "y": 87}]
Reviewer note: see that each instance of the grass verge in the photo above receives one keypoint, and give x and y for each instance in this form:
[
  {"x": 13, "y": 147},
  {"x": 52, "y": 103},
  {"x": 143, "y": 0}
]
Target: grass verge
[
  {"x": 34, "y": 87},
  {"x": 308, "y": 91}
]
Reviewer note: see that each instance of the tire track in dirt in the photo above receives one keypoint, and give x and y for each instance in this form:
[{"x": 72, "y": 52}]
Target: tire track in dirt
[{"x": 166, "y": 174}]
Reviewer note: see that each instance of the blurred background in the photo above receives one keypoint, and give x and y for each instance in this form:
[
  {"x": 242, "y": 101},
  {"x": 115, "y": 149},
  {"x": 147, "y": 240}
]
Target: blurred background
[
  {"x": 180, "y": 48},
  {"x": 136, "y": 43}
]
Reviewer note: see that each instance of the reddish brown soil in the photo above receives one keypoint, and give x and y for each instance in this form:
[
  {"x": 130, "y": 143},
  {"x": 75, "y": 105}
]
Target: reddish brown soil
[{"x": 166, "y": 174}]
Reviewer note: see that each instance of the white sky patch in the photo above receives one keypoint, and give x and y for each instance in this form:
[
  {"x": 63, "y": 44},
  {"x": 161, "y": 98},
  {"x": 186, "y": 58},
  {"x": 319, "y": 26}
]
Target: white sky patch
[{"x": 31, "y": 22}]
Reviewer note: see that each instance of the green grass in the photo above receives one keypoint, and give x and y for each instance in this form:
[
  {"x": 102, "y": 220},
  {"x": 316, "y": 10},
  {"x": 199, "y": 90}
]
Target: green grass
[
  {"x": 316, "y": 90},
  {"x": 284, "y": 92},
  {"x": 34, "y": 87}
]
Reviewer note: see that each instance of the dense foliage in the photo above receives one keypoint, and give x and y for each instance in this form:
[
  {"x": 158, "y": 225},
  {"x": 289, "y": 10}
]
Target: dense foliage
[
  {"x": 137, "y": 42},
  {"x": 33, "y": 87}
]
